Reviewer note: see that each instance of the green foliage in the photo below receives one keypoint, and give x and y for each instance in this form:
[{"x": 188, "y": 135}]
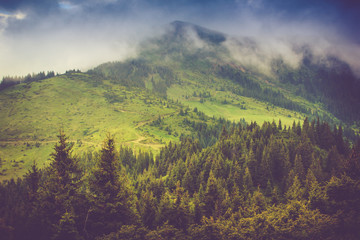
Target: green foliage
[
  {"x": 218, "y": 180},
  {"x": 251, "y": 88},
  {"x": 250, "y": 184},
  {"x": 112, "y": 200},
  {"x": 320, "y": 82},
  {"x": 66, "y": 228}
]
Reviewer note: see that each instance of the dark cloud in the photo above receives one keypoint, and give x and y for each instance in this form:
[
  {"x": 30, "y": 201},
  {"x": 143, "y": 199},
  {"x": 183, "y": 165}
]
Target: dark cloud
[
  {"x": 11, "y": 4},
  {"x": 34, "y": 5},
  {"x": 342, "y": 14}
]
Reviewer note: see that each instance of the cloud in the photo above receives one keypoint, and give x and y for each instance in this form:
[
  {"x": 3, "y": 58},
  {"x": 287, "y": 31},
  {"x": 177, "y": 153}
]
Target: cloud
[
  {"x": 59, "y": 46},
  {"x": 41, "y": 35},
  {"x": 71, "y": 37},
  {"x": 261, "y": 36},
  {"x": 5, "y": 17}
]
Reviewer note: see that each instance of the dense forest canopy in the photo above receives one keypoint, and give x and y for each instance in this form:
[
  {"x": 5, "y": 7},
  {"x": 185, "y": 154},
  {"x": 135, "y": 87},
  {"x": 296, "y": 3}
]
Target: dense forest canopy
[{"x": 254, "y": 182}]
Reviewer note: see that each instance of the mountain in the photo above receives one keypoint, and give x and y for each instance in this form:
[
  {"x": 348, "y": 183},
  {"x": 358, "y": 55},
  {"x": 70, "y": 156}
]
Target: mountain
[
  {"x": 188, "y": 140},
  {"x": 188, "y": 69},
  {"x": 181, "y": 29}
]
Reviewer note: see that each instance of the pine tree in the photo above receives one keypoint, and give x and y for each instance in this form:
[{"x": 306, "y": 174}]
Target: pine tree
[
  {"x": 60, "y": 192},
  {"x": 258, "y": 201},
  {"x": 339, "y": 141},
  {"x": 333, "y": 161},
  {"x": 306, "y": 126},
  {"x": 66, "y": 229},
  {"x": 236, "y": 199},
  {"x": 112, "y": 200},
  {"x": 279, "y": 125},
  {"x": 316, "y": 168},
  {"x": 326, "y": 139},
  {"x": 316, "y": 194},
  {"x": 265, "y": 168},
  {"x": 65, "y": 167},
  {"x": 251, "y": 163},
  {"x": 248, "y": 182},
  {"x": 212, "y": 195},
  {"x": 296, "y": 191},
  {"x": 188, "y": 181},
  {"x": 147, "y": 206},
  {"x": 299, "y": 167},
  {"x": 351, "y": 164},
  {"x": 224, "y": 133},
  {"x": 33, "y": 180}
]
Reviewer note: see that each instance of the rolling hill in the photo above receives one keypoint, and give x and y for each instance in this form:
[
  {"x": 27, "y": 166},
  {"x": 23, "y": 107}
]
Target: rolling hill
[{"x": 185, "y": 76}]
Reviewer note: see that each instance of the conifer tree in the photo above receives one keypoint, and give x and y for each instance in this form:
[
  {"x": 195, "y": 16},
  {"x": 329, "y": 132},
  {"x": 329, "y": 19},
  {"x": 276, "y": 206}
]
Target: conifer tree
[
  {"x": 280, "y": 125},
  {"x": 351, "y": 164},
  {"x": 66, "y": 229},
  {"x": 265, "y": 168},
  {"x": 188, "y": 180},
  {"x": 296, "y": 191},
  {"x": 64, "y": 166},
  {"x": 306, "y": 126},
  {"x": 258, "y": 201},
  {"x": 248, "y": 182},
  {"x": 148, "y": 208},
  {"x": 251, "y": 163},
  {"x": 316, "y": 194},
  {"x": 211, "y": 195},
  {"x": 112, "y": 198},
  {"x": 339, "y": 141},
  {"x": 316, "y": 168},
  {"x": 60, "y": 193},
  {"x": 236, "y": 198},
  {"x": 33, "y": 180},
  {"x": 299, "y": 167},
  {"x": 333, "y": 161}
]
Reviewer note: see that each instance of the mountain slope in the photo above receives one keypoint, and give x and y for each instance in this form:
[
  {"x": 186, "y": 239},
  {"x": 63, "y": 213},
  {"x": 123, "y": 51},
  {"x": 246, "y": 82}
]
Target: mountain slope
[
  {"x": 85, "y": 107},
  {"x": 179, "y": 81}
]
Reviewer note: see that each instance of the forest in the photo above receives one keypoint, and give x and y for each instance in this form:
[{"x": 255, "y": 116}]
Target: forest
[{"x": 253, "y": 182}]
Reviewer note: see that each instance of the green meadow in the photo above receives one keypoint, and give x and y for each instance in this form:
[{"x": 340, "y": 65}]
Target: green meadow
[{"x": 31, "y": 115}]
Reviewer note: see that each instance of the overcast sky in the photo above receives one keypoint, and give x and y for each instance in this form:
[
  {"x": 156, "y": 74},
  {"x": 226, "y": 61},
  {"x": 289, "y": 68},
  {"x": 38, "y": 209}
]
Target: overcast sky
[{"x": 42, "y": 35}]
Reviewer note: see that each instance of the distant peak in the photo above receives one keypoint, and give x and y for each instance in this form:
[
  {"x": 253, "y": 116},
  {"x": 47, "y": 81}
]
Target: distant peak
[{"x": 207, "y": 35}]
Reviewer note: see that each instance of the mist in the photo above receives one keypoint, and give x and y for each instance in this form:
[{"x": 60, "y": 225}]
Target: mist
[
  {"x": 62, "y": 35},
  {"x": 255, "y": 42},
  {"x": 60, "y": 42}
]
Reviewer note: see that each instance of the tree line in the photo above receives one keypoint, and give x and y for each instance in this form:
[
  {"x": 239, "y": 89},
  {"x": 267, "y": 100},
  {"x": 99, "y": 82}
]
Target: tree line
[{"x": 9, "y": 81}]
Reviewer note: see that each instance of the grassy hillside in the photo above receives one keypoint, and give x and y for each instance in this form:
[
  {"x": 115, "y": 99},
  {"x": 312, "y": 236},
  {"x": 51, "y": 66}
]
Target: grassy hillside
[
  {"x": 32, "y": 114},
  {"x": 146, "y": 102}
]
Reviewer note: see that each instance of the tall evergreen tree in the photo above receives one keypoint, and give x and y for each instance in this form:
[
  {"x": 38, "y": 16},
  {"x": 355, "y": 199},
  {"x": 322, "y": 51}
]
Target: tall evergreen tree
[
  {"x": 296, "y": 191},
  {"x": 32, "y": 179},
  {"x": 299, "y": 167},
  {"x": 212, "y": 195},
  {"x": 112, "y": 202},
  {"x": 60, "y": 193}
]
